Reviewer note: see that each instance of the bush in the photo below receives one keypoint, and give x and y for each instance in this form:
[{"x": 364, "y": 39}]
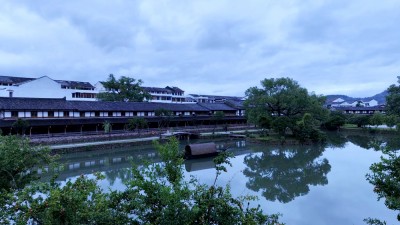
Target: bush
[{"x": 155, "y": 194}]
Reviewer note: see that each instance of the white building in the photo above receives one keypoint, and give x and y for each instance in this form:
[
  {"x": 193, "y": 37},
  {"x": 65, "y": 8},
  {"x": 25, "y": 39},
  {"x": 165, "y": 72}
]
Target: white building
[
  {"x": 159, "y": 95},
  {"x": 45, "y": 87}
]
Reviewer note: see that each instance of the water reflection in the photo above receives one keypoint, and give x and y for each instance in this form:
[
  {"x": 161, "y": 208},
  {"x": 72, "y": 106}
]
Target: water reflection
[
  {"x": 374, "y": 141},
  {"x": 284, "y": 173},
  {"x": 235, "y": 147},
  {"x": 336, "y": 140}
]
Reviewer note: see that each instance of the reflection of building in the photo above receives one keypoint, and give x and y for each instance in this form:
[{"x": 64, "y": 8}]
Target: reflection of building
[{"x": 79, "y": 163}]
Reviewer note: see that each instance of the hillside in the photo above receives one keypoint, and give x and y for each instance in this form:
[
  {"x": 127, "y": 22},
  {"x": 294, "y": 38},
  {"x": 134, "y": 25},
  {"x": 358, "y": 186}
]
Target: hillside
[{"x": 381, "y": 98}]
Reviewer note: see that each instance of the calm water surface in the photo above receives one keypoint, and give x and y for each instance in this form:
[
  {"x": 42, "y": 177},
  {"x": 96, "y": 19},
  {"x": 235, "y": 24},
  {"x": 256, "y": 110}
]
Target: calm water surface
[{"x": 306, "y": 184}]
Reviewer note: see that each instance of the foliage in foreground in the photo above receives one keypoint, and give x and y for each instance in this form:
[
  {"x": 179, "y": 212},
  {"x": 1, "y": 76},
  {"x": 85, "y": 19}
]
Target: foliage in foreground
[
  {"x": 18, "y": 162},
  {"x": 157, "y": 194},
  {"x": 385, "y": 177}
]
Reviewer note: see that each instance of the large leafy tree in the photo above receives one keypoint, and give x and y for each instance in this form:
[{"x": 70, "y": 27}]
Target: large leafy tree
[
  {"x": 284, "y": 102},
  {"x": 123, "y": 89},
  {"x": 137, "y": 123},
  {"x": 393, "y": 98}
]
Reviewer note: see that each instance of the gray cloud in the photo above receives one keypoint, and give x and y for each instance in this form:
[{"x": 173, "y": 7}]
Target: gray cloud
[{"x": 224, "y": 47}]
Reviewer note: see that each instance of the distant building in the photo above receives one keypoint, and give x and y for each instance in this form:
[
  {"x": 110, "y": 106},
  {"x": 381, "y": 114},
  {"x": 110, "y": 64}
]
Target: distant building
[
  {"x": 58, "y": 115},
  {"x": 211, "y": 98},
  {"x": 166, "y": 95},
  {"x": 340, "y": 102},
  {"x": 45, "y": 87}
]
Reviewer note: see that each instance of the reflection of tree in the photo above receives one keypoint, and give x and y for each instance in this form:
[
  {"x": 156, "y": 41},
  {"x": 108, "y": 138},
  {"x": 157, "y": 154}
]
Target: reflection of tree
[
  {"x": 285, "y": 173},
  {"x": 363, "y": 141},
  {"x": 123, "y": 174},
  {"x": 391, "y": 142},
  {"x": 336, "y": 140}
]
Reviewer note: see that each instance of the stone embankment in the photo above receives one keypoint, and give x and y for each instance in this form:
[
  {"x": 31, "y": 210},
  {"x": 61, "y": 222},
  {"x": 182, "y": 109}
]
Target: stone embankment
[{"x": 65, "y": 143}]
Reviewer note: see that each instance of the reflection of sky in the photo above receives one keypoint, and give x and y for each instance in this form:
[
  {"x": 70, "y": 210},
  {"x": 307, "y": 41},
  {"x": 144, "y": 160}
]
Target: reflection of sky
[{"x": 346, "y": 199}]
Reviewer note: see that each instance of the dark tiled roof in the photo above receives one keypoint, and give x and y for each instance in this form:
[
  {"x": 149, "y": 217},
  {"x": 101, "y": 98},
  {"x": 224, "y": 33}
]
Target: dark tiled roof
[
  {"x": 62, "y": 104},
  {"x": 217, "y": 106},
  {"x": 174, "y": 89},
  {"x": 156, "y": 89},
  {"x": 14, "y": 80},
  {"x": 33, "y": 104},
  {"x": 75, "y": 84},
  {"x": 237, "y": 104},
  {"x": 217, "y": 97}
]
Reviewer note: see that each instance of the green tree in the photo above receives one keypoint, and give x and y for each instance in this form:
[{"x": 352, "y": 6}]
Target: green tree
[
  {"x": 137, "y": 123},
  {"x": 393, "y": 98},
  {"x": 335, "y": 121},
  {"x": 359, "y": 120},
  {"x": 217, "y": 117},
  {"x": 385, "y": 176},
  {"x": 78, "y": 202},
  {"x": 306, "y": 129},
  {"x": 125, "y": 89},
  {"x": 164, "y": 117},
  {"x": 376, "y": 119},
  {"x": 159, "y": 194},
  {"x": 391, "y": 120},
  {"x": 156, "y": 194},
  {"x": 19, "y": 161},
  {"x": 20, "y": 125},
  {"x": 283, "y": 97},
  {"x": 107, "y": 127}
]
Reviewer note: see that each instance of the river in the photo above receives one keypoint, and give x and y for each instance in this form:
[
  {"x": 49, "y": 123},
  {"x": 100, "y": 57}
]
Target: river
[{"x": 306, "y": 184}]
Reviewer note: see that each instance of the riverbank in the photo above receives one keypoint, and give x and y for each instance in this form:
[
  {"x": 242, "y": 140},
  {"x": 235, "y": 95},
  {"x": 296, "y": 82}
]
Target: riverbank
[{"x": 108, "y": 143}]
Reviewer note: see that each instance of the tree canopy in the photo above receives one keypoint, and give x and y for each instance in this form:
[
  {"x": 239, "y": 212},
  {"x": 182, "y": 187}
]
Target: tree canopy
[
  {"x": 156, "y": 193},
  {"x": 393, "y": 98},
  {"x": 125, "y": 89},
  {"x": 284, "y": 102}
]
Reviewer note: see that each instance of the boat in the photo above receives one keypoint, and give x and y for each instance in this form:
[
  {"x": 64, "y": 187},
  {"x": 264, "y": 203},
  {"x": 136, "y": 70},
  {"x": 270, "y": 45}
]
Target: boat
[{"x": 201, "y": 150}]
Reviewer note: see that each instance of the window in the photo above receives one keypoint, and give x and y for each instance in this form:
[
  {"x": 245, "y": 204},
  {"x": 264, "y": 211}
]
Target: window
[
  {"x": 116, "y": 114},
  {"x": 66, "y": 114},
  {"x": 14, "y": 114}
]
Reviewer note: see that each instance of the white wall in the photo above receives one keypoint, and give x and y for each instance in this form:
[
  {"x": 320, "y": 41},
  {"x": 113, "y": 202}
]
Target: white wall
[
  {"x": 373, "y": 102},
  {"x": 43, "y": 87}
]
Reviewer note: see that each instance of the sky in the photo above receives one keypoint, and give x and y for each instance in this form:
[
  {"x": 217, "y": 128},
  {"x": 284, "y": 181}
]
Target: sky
[{"x": 217, "y": 47}]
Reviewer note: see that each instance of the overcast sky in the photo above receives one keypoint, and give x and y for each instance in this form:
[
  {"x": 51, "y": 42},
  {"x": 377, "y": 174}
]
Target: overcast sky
[{"x": 219, "y": 47}]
